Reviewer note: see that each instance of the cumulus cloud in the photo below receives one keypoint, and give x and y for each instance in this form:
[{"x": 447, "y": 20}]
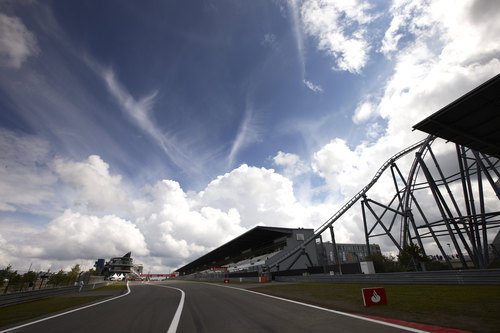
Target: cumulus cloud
[
  {"x": 17, "y": 43},
  {"x": 340, "y": 29},
  {"x": 261, "y": 196},
  {"x": 97, "y": 189},
  {"x": 74, "y": 235},
  {"x": 69, "y": 238},
  {"x": 163, "y": 225},
  {"x": 177, "y": 228},
  {"x": 291, "y": 164},
  {"x": 446, "y": 52},
  {"x": 363, "y": 112}
]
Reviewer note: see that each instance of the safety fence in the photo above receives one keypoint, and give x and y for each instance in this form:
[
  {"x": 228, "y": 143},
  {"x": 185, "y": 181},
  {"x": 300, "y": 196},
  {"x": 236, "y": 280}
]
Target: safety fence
[
  {"x": 31, "y": 295},
  {"x": 479, "y": 276},
  {"x": 451, "y": 277}
]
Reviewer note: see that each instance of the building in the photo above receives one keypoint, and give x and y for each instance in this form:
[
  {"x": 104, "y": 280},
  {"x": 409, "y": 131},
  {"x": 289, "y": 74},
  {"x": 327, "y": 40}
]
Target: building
[
  {"x": 121, "y": 266},
  {"x": 252, "y": 252},
  {"x": 349, "y": 253},
  {"x": 99, "y": 266}
]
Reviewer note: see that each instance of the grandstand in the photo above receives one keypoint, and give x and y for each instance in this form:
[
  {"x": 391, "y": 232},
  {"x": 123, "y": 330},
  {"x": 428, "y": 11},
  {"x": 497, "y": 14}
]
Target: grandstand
[{"x": 251, "y": 253}]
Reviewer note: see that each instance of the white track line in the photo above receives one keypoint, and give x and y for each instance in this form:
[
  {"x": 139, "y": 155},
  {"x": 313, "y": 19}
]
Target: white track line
[
  {"x": 65, "y": 313},
  {"x": 177, "y": 316},
  {"x": 406, "y": 328}
]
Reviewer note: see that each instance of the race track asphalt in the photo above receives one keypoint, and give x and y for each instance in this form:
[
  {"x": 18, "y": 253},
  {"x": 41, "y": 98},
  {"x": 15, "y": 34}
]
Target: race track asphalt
[{"x": 207, "y": 308}]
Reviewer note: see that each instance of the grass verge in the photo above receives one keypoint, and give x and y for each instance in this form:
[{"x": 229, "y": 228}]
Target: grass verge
[
  {"x": 467, "y": 307},
  {"x": 20, "y": 312},
  {"x": 114, "y": 286}
]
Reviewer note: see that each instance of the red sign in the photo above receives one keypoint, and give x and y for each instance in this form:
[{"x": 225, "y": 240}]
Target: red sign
[
  {"x": 374, "y": 296},
  {"x": 226, "y": 280}
]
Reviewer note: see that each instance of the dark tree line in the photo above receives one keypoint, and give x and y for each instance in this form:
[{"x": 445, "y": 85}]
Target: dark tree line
[
  {"x": 412, "y": 258},
  {"x": 11, "y": 281}
]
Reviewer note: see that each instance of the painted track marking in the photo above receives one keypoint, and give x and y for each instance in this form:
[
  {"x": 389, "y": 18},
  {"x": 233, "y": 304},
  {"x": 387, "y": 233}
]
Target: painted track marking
[
  {"x": 66, "y": 312},
  {"x": 178, "y": 312},
  {"x": 406, "y": 328}
]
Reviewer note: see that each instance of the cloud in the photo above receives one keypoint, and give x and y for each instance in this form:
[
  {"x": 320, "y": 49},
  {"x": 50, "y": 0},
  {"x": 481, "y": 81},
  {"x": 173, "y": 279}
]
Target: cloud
[
  {"x": 97, "y": 189},
  {"x": 363, "y": 112},
  {"x": 74, "y": 235},
  {"x": 269, "y": 39},
  {"x": 261, "y": 196},
  {"x": 291, "y": 164},
  {"x": 445, "y": 54},
  {"x": 340, "y": 29},
  {"x": 177, "y": 228},
  {"x": 403, "y": 12},
  {"x": 312, "y": 86},
  {"x": 25, "y": 178},
  {"x": 70, "y": 238},
  {"x": 297, "y": 30},
  {"x": 17, "y": 43},
  {"x": 374, "y": 130},
  {"x": 140, "y": 111},
  {"x": 248, "y": 133}
]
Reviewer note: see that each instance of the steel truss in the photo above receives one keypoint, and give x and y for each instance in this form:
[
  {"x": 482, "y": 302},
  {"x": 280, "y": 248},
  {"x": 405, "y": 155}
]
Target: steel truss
[{"x": 436, "y": 203}]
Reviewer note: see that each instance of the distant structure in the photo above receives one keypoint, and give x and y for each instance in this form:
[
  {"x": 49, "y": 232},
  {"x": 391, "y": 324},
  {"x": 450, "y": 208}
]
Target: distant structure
[
  {"x": 119, "y": 266},
  {"x": 99, "y": 266},
  {"x": 349, "y": 253},
  {"x": 252, "y": 253}
]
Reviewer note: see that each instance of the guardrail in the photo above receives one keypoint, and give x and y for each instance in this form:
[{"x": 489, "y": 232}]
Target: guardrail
[
  {"x": 476, "y": 276},
  {"x": 31, "y": 295}
]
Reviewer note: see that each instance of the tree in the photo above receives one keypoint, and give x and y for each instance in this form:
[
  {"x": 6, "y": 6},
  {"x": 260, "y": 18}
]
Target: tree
[
  {"x": 411, "y": 256},
  {"x": 29, "y": 278},
  {"x": 384, "y": 264},
  {"x": 5, "y": 274},
  {"x": 73, "y": 274},
  {"x": 58, "y": 278}
]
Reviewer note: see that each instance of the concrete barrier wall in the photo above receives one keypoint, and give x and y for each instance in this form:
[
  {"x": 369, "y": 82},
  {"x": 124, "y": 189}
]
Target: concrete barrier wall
[{"x": 484, "y": 276}]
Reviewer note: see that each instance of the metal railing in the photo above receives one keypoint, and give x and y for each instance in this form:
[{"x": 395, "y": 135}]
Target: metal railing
[
  {"x": 459, "y": 277},
  {"x": 31, "y": 295}
]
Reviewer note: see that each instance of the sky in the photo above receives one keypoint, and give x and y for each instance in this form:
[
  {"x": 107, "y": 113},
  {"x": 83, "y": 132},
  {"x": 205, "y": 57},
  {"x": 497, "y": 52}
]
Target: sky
[{"x": 167, "y": 128}]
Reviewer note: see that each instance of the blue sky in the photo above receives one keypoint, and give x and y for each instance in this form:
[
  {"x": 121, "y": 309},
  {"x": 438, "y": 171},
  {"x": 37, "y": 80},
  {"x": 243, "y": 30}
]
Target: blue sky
[{"x": 175, "y": 121}]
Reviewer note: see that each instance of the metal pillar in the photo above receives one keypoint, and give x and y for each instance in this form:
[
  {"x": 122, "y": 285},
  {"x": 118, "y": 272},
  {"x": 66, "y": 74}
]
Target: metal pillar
[{"x": 335, "y": 251}]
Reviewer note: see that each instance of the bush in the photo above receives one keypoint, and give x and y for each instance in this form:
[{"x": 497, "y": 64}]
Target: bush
[{"x": 384, "y": 264}]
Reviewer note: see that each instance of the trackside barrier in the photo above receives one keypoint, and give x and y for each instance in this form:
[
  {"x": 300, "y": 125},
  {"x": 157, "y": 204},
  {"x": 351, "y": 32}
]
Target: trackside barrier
[
  {"x": 476, "y": 276},
  {"x": 199, "y": 277},
  {"x": 31, "y": 295}
]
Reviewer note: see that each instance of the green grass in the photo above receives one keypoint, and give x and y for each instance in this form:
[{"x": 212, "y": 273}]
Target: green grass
[
  {"x": 114, "y": 286},
  {"x": 463, "y": 307},
  {"x": 20, "y": 312}
]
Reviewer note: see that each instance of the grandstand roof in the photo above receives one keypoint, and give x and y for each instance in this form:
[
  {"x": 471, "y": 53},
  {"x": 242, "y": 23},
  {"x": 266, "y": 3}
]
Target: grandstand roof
[
  {"x": 472, "y": 120},
  {"x": 253, "y": 239}
]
